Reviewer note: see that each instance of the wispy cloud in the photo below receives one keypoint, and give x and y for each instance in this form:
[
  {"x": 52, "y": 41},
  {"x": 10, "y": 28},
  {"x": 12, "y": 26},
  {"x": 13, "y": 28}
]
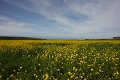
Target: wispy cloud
[
  {"x": 98, "y": 16},
  {"x": 44, "y": 7},
  {"x": 103, "y": 16},
  {"x": 12, "y": 27}
]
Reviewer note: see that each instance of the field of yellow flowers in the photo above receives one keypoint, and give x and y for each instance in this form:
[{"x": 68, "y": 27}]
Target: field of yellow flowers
[{"x": 59, "y": 60}]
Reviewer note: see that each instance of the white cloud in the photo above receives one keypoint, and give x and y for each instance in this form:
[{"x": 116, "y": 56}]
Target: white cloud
[
  {"x": 43, "y": 7},
  {"x": 12, "y": 27},
  {"x": 102, "y": 14}
]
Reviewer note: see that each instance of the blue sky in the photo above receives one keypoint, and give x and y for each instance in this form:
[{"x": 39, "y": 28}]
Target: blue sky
[{"x": 60, "y": 19}]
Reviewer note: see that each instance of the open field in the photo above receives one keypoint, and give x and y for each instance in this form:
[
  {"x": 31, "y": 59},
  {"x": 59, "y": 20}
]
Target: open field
[{"x": 59, "y": 59}]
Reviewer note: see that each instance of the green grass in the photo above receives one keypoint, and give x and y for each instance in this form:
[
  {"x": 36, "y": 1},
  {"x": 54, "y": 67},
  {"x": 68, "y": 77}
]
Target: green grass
[{"x": 59, "y": 59}]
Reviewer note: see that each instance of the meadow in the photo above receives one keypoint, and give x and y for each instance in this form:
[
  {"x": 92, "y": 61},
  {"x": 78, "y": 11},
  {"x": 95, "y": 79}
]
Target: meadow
[{"x": 59, "y": 59}]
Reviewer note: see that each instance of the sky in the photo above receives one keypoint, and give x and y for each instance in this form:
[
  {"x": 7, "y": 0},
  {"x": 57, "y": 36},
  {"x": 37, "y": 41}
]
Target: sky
[{"x": 60, "y": 19}]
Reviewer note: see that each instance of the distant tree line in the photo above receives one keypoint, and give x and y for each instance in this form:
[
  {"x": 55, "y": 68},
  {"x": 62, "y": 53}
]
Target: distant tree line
[
  {"x": 19, "y": 38},
  {"x": 116, "y": 37}
]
